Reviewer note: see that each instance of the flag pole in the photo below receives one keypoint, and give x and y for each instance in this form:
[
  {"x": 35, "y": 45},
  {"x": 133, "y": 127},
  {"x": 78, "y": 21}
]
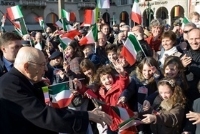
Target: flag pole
[
  {"x": 141, "y": 47},
  {"x": 65, "y": 82}
]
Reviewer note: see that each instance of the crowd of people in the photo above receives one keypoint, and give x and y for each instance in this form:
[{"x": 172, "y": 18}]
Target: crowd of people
[{"x": 161, "y": 87}]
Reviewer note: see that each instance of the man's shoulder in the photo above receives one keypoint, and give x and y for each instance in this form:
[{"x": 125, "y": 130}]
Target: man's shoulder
[{"x": 8, "y": 77}]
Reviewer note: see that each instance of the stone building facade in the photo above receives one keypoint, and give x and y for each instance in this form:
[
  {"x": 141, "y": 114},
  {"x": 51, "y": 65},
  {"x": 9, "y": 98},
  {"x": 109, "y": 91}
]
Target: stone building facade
[{"x": 120, "y": 10}]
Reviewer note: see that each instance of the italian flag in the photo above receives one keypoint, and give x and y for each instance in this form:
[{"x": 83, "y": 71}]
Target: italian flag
[
  {"x": 103, "y": 4},
  {"x": 41, "y": 21},
  {"x": 91, "y": 37},
  {"x": 67, "y": 37},
  {"x": 124, "y": 127},
  {"x": 90, "y": 17},
  {"x": 66, "y": 18},
  {"x": 70, "y": 16},
  {"x": 118, "y": 115},
  {"x": 64, "y": 25},
  {"x": 65, "y": 14},
  {"x": 184, "y": 21},
  {"x": 60, "y": 94},
  {"x": 46, "y": 94},
  {"x": 136, "y": 14},
  {"x": 14, "y": 12},
  {"x": 130, "y": 49}
]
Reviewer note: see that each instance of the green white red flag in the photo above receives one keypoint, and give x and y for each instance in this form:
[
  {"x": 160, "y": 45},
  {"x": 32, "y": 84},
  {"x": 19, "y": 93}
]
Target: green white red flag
[
  {"x": 41, "y": 22},
  {"x": 130, "y": 49},
  {"x": 60, "y": 95},
  {"x": 46, "y": 94},
  {"x": 70, "y": 16},
  {"x": 64, "y": 25},
  {"x": 118, "y": 115},
  {"x": 136, "y": 14},
  {"x": 124, "y": 127},
  {"x": 90, "y": 17},
  {"x": 14, "y": 12},
  {"x": 67, "y": 37},
  {"x": 185, "y": 20},
  {"x": 91, "y": 37}
]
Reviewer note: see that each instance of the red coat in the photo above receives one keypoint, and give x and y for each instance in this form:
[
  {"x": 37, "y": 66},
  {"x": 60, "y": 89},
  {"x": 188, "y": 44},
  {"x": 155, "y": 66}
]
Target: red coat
[
  {"x": 111, "y": 96},
  {"x": 154, "y": 44}
]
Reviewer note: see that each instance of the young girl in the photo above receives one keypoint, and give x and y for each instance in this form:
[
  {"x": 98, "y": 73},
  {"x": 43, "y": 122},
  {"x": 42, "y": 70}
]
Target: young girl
[
  {"x": 89, "y": 53},
  {"x": 88, "y": 69},
  {"x": 111, "y": 89},
  {"x": 173, "y": 69},
  {"x": 142, "y": 85},
  {"x": 168, "y": 117}
]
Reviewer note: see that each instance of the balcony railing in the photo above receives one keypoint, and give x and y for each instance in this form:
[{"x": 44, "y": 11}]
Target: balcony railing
[
  {"x": 90, "y": 5},
  {"x": 36, "y": 3}
]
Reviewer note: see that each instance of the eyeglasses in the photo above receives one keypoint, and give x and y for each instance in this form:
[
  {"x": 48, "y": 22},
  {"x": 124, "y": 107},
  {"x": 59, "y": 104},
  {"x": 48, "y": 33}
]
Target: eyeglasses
[
  {"x": 186, "y": 31},
  {"x": 41, "y": 64}
]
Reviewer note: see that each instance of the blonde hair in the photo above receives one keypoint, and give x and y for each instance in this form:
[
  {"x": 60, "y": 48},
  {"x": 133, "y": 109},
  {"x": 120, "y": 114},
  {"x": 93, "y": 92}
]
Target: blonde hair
[{"x": 194, "y": 14}]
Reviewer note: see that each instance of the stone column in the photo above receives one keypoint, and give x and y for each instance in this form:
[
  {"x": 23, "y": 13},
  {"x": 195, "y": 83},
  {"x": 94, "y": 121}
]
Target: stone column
[
  {"x": 169, "y": 19},
  {"x": 61, "y": 5}
]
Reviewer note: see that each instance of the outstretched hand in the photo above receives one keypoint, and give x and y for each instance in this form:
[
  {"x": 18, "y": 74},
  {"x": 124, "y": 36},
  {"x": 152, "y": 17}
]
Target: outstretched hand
[
  {"x": 119, "y": 67},
  {"x": 99, "y": 116},
  {"x": 149, "y": 118},
  {"x": 193, "y": 116}
]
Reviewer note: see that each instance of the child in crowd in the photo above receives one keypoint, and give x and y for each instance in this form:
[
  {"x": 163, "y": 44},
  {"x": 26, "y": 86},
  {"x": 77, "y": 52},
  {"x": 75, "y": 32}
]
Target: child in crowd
[
  {"x": 195, "y": 18},
  {"x": 111, "y": 51},
  {"x": 89, "y": 53},
  {"x": 88, "y": 69},
  {"x": 111, "y": 88},
  {"x": 173, "y": 69},
  {"x": 142, "y": 85},
  {"x": 168, "y": 117}
]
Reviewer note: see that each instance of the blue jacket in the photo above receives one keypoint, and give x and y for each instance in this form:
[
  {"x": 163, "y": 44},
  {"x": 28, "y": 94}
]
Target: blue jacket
[{"x": 137, "y": 92}]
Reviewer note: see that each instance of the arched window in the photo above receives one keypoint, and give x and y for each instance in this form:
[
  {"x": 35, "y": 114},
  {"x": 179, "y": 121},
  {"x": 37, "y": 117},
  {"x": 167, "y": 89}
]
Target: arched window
[
  {"x": 31, "y": 18},
  {"x": 124, "y": 17},
  {"x": 106, "y": 18},
  {"x": 51, "y": 18}
]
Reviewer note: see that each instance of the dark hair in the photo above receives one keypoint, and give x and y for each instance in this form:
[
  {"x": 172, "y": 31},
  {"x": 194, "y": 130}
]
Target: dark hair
[
  {"x": 111, "y": 48},
  {"x": 169, "y": 34},
  {"x": 76, "y": 47},
  {"x": 8, "y": 36},
  {"x": 86, "y": 64},
  {"x": 177, "y": 62},
  {"x": 103, "y": 70}
]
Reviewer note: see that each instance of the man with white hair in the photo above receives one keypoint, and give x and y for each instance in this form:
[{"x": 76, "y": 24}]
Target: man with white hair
[{"x": 23, "y": 109}]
